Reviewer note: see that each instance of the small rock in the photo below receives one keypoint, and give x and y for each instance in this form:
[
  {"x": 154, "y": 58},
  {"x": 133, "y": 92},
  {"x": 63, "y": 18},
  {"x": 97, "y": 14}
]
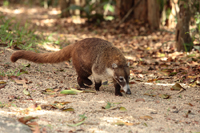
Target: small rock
[{"x": 9, "y": 125}]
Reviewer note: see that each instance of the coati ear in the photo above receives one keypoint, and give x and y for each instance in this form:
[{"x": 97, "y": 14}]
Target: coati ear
[
  {"x": 114, "y": 65},
  {"x": 128, "y": 64}
]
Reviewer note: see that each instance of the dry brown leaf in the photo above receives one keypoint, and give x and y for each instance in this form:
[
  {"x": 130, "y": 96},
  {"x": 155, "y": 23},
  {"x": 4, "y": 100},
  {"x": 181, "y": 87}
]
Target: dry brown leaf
[
  {"x": 140, "y": 99},
  {"x": 146, "y": 117},
  {"x": 2, "y": 86},
  {"x": 24, "y": 120}
]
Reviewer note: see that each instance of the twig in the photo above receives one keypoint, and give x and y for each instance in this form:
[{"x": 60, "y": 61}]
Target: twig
[{"x": 128, "y": 13}]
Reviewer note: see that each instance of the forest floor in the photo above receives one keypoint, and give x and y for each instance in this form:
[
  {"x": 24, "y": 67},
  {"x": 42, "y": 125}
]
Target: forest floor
[{"x": 164, "y": 83}]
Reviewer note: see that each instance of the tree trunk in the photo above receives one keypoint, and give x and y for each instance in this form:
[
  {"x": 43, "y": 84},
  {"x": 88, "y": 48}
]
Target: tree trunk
[
  {"x": 141, "y": 10},
  {"x": 183, "y": 38},
  {"x": 153, "y": 14},
  {"x": 123, "y": 6},
  {"x": 64, "y": 4}
]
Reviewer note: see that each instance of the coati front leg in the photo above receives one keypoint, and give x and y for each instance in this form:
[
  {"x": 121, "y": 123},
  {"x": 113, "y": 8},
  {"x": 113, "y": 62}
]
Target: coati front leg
[
  {"x": 117, "y": 89},
  {"x": 97, "y": 85}
]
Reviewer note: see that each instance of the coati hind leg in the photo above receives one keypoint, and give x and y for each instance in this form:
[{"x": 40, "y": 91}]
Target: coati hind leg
[
  {"x": 81, "y": 81},
  {"x": 117, "y": 89},
  {"x": 87, "y": 81}
]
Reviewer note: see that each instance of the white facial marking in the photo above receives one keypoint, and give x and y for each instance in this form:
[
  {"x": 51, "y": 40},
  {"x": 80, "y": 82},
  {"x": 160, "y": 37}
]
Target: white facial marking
[
  {"x": 110, "y": 72},
  {"x": 126, "y": 88}
]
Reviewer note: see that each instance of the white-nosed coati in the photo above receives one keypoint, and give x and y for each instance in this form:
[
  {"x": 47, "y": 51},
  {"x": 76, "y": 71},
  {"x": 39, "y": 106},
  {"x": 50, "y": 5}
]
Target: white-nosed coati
[{"x": 90, "y": 56}]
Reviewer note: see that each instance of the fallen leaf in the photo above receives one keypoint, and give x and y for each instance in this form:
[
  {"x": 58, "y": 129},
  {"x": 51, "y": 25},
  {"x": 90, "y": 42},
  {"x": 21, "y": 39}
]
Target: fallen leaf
[
  {"x": 122, "y": 109},
  {"x": 108, "y": 105},
  {"x": 27, "y": 65},
  {"x": 2, "y": 82},
  {"x": 140, "y": 99},
  {"x": 49, "y": 91},
  {"x": 152, "y": 95},
  {"x": 164, "y": 96},
  {"x": 69, "y": 92},
  {"x": 121, "y": 123},
  {"x": 2, "y": 86},
  {"x": 63, "y": 103},
  {"x": 38, "y": 108},
  {"x": 24, "y": 120},
  {"x": 15, "y": 78},
  {"x": 146, "y": 117},
  {"x": 132, "y": 82},
  {"x": 186, "y": 115},
  {"x": 26, "y": 92},
  {"x": 21, "y": 82},
  {"x": 3, "y": 77},
  {"x": 68, "y": 109},
  {"x": 190, "y": 104},
  {"x": 145, "y": 124},
  {"x": 151, "y": 80},
  {"x": 77, "y": 124},
  {"x": 47, "y": 107},
  {"x": 176, "y": 87}
]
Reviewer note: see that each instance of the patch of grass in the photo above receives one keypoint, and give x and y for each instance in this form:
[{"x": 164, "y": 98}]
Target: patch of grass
[
  {"x": 15, "y": 72},
  {"x": 2, "y": 105},
  {"x": 15, "y": 35}
]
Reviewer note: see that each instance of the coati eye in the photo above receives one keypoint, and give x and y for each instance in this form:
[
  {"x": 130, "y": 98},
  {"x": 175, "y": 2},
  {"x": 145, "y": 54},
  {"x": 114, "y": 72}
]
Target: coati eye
[{"x": 121, "y": 79}]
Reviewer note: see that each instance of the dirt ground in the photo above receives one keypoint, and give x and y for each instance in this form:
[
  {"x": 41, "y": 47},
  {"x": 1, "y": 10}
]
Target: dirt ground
[{"x": 151, "y": 108}]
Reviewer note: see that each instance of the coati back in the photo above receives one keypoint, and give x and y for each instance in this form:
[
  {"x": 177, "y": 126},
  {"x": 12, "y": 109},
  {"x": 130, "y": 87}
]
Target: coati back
[{"x": 90, "y": 56}]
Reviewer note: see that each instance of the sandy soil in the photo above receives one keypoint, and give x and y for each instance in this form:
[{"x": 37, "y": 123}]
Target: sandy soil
[{"x": 144, "y": 113}]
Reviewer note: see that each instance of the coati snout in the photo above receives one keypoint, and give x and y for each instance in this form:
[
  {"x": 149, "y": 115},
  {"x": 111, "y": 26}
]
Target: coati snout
[
  {"x": 90, "y": 56},
  {"x": 121, "y": 76}
]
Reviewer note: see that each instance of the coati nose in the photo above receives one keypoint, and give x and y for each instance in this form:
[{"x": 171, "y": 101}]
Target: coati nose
[{"x": 128, "y": 91}]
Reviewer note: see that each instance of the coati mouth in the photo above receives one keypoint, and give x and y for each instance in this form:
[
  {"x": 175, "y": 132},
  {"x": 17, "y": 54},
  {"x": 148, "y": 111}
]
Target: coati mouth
[
  {"x": 127, "y": 90},
  {"x": 123, "y": 84}
]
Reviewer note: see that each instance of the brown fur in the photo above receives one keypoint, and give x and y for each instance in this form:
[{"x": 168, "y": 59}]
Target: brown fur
[{"x": 87, "y": 55}]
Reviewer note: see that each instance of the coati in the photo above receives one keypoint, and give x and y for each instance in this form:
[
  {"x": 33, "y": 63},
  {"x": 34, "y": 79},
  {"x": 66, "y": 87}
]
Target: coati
[{"x": 90, "y": 56}]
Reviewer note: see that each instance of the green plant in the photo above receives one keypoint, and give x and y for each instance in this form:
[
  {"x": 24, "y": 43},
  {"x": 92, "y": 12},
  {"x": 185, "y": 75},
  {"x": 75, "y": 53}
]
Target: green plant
[
  {"x": 6, "y": 3},
  {"x": 90, "y": 12},
  {"x": 188, "y": 46},
  {"x": 2, "y": 105},
  {"x": 15, "y": 72},
  {"x": 15, "y": 35},
  {"x": 82, "y": 117}
]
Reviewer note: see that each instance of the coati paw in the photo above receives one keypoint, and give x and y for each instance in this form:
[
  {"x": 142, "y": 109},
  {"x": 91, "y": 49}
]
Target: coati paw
[
  {"x": 97, "y": 85},
  {"x": 118, "y": 94},
  {"x": 84, "y": 86}
]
